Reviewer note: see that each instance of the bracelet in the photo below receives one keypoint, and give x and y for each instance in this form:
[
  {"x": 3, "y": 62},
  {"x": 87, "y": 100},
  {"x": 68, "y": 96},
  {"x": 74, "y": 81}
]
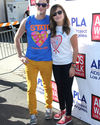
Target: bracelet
[
  {"x": 74, "y": 67},
  {"x": 73, "y": 63}
]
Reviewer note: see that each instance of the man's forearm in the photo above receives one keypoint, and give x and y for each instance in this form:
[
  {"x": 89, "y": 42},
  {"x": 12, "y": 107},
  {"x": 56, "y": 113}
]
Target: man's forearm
[{"x": 18, "y": 47}]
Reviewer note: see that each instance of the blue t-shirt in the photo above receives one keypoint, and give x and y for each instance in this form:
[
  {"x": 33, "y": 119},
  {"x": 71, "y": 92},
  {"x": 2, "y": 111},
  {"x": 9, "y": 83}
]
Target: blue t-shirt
[{"x": 38, "y": 36}]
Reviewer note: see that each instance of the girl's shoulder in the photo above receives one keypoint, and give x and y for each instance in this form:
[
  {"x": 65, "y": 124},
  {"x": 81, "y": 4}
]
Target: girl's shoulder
[{"x": 72, "y": 29}]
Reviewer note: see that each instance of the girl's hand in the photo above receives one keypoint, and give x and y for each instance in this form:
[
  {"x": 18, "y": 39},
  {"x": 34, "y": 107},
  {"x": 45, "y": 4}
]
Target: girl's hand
[{"x": 72, "y": 71}]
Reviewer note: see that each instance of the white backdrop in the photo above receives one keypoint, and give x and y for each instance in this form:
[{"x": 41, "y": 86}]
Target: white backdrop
[{"x": 84, "y": 16}]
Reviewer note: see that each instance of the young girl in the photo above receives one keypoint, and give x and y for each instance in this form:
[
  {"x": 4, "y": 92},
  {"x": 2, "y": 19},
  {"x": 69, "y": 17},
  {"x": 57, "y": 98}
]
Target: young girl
[{"x": 64, "y": 54}]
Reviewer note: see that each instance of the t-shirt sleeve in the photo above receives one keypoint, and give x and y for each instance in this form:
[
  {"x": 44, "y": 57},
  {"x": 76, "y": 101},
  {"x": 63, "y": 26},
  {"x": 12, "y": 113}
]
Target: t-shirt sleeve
[{"x": 72, "y": 31}]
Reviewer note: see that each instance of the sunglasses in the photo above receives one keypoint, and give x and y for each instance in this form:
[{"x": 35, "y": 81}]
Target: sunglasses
[
  {"x": 59, "y": 13},
  {"x": 41, "y": 4}
]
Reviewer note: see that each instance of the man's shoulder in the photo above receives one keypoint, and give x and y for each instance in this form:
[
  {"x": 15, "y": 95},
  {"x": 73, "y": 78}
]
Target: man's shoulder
[
  {"x": 30, "y": 17},
  {"x": 47, "y": 17}
]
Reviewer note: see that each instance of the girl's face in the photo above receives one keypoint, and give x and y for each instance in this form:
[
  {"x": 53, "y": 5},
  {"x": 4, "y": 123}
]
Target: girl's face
[{"x": 58, "y": 16}]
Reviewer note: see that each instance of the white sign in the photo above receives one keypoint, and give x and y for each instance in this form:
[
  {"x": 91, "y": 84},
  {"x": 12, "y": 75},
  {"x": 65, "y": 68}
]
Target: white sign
[{"x": 84, "y": 16}]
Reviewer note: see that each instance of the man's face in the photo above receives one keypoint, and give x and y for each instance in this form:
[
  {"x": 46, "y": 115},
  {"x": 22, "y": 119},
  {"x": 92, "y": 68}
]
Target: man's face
[{"x": 41, "y": 6}]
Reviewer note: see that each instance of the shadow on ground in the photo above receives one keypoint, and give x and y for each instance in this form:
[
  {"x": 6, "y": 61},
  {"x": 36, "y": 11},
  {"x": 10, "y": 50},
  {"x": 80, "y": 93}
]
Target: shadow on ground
[
  {"x": 9, "y": 85},
  {"x": 13, "y": 115},
  {"x": 12, "y": 111},
  {"x": 19, "y": 115}
]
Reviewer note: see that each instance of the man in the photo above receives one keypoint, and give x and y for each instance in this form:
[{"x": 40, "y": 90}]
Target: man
[{"x": 37, "y": 58}]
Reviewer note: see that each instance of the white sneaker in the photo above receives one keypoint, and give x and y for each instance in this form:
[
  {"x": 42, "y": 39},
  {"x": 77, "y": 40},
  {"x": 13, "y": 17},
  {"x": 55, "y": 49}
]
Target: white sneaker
[
  {"x": 33, "y": 120},
  {"x": 48, "y": 114}
]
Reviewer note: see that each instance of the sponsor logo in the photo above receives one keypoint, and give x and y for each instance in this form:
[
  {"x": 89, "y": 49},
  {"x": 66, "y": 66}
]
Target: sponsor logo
[
  {"x": 95, "y": 70},
  {"x": 77, "y": 23},
  {"x": 80, "y": 26},
  {"x": 95, "y": 33},
  {"x": 40, "y": 89},
  {"x": 95, "y": 112},
  {"x": 79, "y": 102},
  {"x": 54, "y": 88},
  {"x": 80, "y": 66}
]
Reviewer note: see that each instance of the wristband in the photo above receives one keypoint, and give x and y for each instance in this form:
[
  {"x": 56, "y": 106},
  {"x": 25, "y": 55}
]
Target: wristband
[{"x": 73, "y": 65}]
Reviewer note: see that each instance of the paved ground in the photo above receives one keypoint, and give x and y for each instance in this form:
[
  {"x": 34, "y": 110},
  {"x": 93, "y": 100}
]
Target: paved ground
[{"x": 13, "y": 103}]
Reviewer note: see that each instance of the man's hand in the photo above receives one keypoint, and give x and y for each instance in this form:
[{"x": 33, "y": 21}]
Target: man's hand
[{"x": 23, "y": 59}]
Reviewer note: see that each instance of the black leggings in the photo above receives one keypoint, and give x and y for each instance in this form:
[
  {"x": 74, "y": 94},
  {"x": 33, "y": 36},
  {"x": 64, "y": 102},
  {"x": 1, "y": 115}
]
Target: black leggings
[{"x": 64, "y": 86}]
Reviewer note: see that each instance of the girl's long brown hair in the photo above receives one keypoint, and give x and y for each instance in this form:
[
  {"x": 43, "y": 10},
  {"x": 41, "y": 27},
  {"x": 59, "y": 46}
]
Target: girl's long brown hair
[{"x": 53, "y": 24}]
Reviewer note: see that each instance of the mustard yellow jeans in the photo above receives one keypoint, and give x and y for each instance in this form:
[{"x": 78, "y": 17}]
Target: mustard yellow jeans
[{"x": 32, "y": 68}]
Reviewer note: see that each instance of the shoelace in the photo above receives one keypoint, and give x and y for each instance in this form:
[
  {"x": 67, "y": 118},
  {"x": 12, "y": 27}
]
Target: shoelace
[
  {"x": 63, "y": 118},
  {"x": 33, "y": 117},
  {"x": 48, "y": 111},
  {"x": 60, "y": 113}
]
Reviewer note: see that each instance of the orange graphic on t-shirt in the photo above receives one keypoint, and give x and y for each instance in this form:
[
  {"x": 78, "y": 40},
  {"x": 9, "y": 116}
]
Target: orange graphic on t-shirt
[{"x": 39, "y": 27}]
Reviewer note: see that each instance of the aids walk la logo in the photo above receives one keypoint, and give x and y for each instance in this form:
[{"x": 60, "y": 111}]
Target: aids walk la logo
[
  {"x": 95, "y": 70},
  {"x": 95, "y": 107},
  {"x": 80, "y": 66},
  {"x": 95, "y": 30}
]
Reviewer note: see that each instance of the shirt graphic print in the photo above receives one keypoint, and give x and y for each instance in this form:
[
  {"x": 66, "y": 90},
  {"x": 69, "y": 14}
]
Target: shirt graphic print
[{"x": 56, "y": 41}]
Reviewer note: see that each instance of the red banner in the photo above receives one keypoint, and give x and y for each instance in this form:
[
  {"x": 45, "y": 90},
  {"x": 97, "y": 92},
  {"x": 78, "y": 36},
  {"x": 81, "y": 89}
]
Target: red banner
[
  {"x": 95, "y": 113},
  {"x": 54, "y": 88},
  {"x": 96, "y": 27},
  {"x": 80, "y": 66}
]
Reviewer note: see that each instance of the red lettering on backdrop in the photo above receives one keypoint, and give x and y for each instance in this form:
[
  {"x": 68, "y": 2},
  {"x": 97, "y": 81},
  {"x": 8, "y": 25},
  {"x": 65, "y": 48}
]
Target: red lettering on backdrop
[
  {"x": 80, "y": 66},
  {"x": 54, "y": 89},
  {"x": 95, "y": 112},
  {"x": 95, "y": 27}
]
